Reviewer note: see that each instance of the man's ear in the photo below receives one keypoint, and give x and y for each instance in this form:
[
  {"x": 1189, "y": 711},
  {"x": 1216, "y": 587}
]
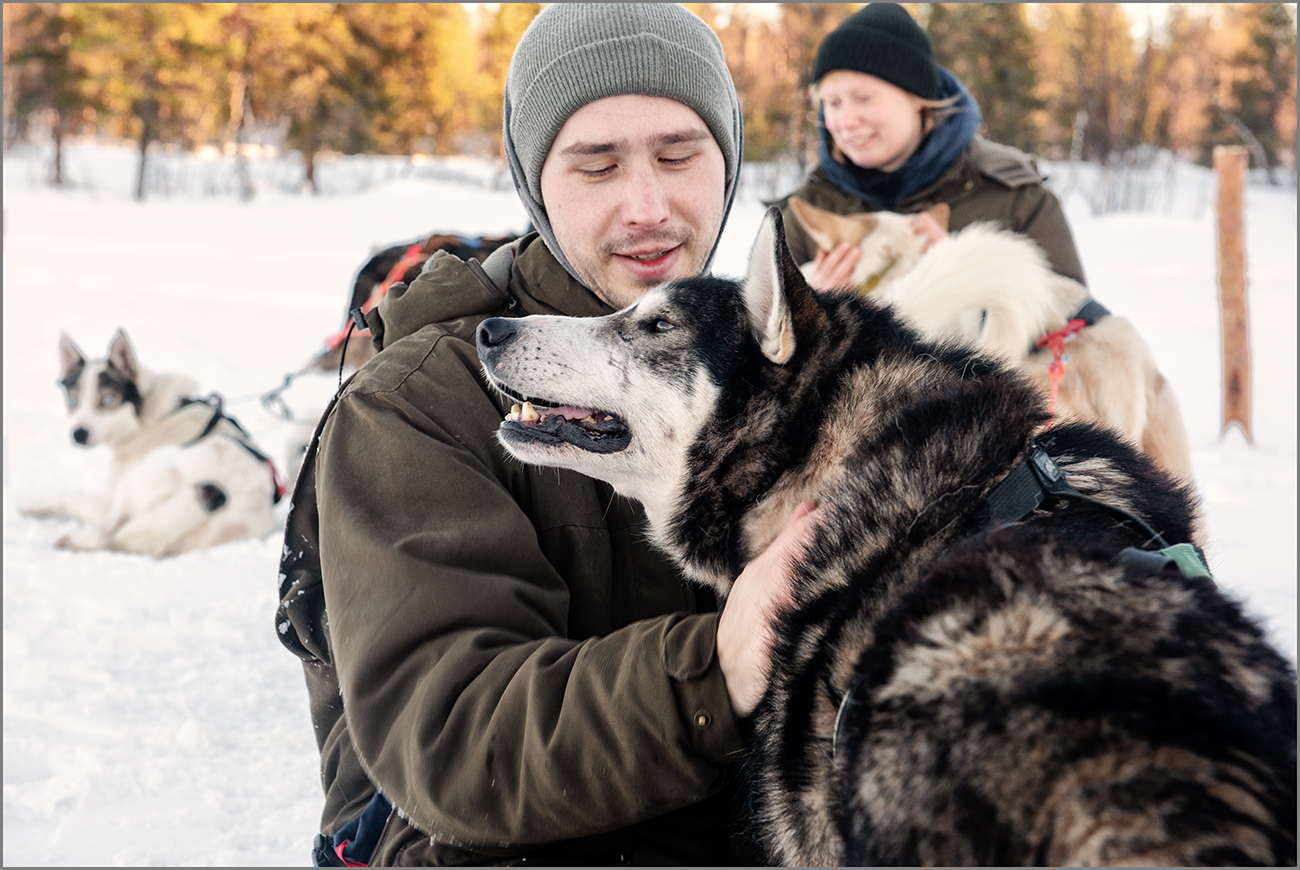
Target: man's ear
[{"x": 765, "y": 290}]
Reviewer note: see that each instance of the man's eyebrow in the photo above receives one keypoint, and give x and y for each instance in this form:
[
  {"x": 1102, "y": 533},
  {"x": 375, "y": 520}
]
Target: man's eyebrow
[{"x": 677, "y": 137}]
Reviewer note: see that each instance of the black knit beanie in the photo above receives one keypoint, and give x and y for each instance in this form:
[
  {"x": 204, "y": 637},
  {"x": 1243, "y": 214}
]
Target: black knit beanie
[{"x": 882, "y": 40}]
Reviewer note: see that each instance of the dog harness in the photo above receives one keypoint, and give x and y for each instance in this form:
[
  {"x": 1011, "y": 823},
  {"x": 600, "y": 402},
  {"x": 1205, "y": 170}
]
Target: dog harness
[
  {"x": 216, "y": 403},
  {"x": 410, "y": 257},
  {"x": 1019, "y": 494},
  {"x": 1086, "y": 315}
]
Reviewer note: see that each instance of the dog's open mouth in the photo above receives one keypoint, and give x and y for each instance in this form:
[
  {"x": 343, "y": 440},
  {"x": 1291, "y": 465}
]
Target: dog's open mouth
[{"x": 587, "y": 428}]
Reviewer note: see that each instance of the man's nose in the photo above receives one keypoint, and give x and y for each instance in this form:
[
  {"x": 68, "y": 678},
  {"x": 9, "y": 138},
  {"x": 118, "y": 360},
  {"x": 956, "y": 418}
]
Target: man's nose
[{"x": 648, "y": 203}]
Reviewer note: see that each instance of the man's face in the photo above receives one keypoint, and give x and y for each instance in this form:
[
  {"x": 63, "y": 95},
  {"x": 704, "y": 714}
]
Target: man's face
[{"x": 634, "y": 187}]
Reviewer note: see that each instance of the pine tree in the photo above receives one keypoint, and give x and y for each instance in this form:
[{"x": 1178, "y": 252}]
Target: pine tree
[
  {"x": 46, "y": 70},
  {"x": 804, "y": 26},
  {"x": 1258, "y": 87},
  {"x": 990, "y": 47},
  {"x": 499, "y": 33}
]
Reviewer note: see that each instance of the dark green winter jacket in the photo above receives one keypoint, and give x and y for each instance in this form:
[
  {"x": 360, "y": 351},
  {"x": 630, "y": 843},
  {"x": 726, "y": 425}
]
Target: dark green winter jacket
[
  {"x": 495, "y": 646},
  {"x": 987, "y": 182}
]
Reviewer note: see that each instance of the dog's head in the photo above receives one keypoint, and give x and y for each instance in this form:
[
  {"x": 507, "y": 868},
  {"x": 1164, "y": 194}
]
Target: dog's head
[
  {"x": 694, "y": 386},
  {"x": 888, "y": 246},
  {"x": 104, "y": 396}
]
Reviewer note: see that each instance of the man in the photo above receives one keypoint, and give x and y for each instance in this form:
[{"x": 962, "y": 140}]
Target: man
[{"x": 500, "y": 667}]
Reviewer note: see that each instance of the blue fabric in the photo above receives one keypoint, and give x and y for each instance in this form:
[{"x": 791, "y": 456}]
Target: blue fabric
[
  {"x": 937, "y": 151},
  {"x": 362, "y": 833}
]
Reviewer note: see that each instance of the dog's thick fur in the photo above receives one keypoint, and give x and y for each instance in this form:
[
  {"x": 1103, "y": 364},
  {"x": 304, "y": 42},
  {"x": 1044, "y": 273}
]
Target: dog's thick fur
[
  {"x": 943, "y": 690},
  {"x": 172, "y": 488},
  {"x": 993, "y": 288}
]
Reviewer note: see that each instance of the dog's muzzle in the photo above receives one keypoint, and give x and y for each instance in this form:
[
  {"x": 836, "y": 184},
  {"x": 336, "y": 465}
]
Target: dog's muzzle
[{"x": 552, "y": 423}]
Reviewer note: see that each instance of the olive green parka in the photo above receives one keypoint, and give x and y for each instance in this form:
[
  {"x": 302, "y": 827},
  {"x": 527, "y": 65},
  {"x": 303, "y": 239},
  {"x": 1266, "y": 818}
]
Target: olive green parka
[
  {"x": 495, "y": 646},
  {"x": 987, "y": 182}
]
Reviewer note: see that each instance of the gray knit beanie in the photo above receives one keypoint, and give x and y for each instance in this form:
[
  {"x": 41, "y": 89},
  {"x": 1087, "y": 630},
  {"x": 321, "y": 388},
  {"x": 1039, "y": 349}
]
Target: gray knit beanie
[{"x": 573, "y": 54}]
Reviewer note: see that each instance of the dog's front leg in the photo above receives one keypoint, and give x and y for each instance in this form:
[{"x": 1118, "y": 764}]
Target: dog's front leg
[
  {"x": 84, "y": 507},
  {"x": 85, "y": 539}
]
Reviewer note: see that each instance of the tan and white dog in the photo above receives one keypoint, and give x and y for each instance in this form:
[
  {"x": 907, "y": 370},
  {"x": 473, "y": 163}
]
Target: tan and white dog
[
  {"x": 184, "y": 475},
  {"x": 994, "y": 289}
]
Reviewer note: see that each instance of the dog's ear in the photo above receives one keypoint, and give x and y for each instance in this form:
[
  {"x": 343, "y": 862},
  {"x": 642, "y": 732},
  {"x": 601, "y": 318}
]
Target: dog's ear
[
  {"x": 121, "y": 356},
  {"x": 828, "y": 229},
  {"x": 941, "y": 212},
  {"x": 71, "y": 359},
  {"x": 773, "y": 278}
]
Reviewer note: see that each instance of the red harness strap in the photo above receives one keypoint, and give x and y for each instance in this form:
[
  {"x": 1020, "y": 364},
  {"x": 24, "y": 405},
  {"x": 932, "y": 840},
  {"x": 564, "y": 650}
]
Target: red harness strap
[
  {"x": 277, "y": 481},
  {"x": 409, "y": 259},
  {"x": 1055, "y": 342}
]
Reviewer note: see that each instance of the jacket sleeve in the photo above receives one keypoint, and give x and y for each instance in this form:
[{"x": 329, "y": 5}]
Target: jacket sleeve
[
  {"x": 467, "y": 703},
  {"x": 1038, "y": 214}
]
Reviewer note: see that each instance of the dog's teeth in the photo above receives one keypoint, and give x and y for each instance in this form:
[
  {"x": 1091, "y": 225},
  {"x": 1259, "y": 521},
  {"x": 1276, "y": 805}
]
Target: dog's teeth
[
  {"x": 528, "y": 413},
  {"x": 513, "y": 416},
  {"x": 588, "y": 419}
]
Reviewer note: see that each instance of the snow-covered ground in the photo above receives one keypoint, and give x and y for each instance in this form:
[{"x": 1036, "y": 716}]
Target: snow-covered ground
[{"x": 151, "y": 715}]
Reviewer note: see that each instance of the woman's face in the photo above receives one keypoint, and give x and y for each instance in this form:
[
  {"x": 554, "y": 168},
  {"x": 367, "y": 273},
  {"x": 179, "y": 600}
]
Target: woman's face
[{"x": 877, "y": 125}]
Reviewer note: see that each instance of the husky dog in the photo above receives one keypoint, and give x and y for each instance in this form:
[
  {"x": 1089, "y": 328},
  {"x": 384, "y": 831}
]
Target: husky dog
[
  {"x": 184, "y": 475},
  {"x": 988, "y": 659},
  {"x": 387, "y": 266},
  {"x": 994, "y": 289}
]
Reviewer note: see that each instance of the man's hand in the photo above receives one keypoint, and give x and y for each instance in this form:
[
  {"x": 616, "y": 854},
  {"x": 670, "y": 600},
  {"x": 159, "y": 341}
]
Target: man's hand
[
  {"x": 760, "y": 592},
  {"x": 833, "y": 270}
]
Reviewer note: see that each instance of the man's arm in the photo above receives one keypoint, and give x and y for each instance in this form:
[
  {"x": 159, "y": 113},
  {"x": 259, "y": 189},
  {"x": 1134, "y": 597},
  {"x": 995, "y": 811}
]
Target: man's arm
[{"x": 468, "y": 705}]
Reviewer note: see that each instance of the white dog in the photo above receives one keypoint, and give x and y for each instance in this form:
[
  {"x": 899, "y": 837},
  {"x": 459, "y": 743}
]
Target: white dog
[
  {"x": 184, "y": 475},
  {"x": 993, "y": 288}
]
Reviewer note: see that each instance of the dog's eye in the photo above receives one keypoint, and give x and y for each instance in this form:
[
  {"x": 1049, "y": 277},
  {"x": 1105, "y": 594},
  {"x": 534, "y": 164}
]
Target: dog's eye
[
  {"x": 662, "y": 325},
  {"x": 107, "y": 400}
]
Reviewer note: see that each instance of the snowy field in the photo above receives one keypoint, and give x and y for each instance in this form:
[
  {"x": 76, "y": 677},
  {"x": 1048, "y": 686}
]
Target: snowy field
[{"x": 151, "y": 715}]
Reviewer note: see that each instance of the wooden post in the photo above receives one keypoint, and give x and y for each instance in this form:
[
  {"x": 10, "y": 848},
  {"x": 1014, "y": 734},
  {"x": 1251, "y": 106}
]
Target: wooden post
[{"x": 1230, "y": 162}]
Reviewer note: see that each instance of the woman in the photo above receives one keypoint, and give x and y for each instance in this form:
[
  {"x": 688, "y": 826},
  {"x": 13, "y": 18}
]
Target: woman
[{"x": 896, "y": 132}]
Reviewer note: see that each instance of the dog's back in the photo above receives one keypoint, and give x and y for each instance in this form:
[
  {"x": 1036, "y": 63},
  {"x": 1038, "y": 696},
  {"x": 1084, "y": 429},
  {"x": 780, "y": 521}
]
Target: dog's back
[
  {"x": 1030, "y": 701},
  {"x": 983, "y": 286}
]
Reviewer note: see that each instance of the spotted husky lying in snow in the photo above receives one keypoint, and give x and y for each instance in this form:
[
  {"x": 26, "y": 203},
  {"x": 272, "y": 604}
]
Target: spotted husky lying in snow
[{"x": 184, "y": 475}]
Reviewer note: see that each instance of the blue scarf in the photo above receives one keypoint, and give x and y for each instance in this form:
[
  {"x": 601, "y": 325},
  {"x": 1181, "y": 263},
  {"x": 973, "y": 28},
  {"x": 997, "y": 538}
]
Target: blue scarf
[{"x": 937, "y": 151}]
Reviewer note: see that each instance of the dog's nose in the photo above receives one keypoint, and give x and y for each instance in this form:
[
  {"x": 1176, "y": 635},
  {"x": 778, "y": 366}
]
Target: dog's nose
[
  {"x": 496, "y": 331},
  {"x": 81, "y": 435}
]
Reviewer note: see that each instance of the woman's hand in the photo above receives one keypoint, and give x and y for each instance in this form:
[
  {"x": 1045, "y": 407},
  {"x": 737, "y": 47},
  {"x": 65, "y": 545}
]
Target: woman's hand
[
  {"x": 833, "y": 270},
  {"x": 924, "y": 224},
  {"x": 761, "y": 592}
]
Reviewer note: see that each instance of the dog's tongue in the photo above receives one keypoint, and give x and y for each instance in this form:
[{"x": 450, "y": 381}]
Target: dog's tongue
[{"x": 569, "y": 412}]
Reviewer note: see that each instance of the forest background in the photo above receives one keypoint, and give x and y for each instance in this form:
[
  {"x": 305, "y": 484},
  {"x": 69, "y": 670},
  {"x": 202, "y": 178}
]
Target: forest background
[{"x": 1112, "y": 84}]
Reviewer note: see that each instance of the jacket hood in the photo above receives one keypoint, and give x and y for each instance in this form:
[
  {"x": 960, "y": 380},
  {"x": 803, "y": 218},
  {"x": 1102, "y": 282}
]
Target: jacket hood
[{"x": 450, "y": 289}]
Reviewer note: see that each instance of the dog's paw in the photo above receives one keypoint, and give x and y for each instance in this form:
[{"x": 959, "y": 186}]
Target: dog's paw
[
  {"x": 41, "y": 511},
  {"x": 81, "y": 540}
]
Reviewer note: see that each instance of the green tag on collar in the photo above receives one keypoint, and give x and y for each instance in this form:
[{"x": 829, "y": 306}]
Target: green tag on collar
[{"x": 1188, "y": 560}]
